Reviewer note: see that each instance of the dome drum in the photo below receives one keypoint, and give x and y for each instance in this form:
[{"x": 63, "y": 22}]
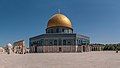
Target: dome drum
[{"x": 59, "y": 29}]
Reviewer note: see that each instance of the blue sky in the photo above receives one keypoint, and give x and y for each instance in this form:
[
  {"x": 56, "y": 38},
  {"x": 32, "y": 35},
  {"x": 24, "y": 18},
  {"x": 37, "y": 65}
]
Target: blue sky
[{"x": 98, "y": 19}]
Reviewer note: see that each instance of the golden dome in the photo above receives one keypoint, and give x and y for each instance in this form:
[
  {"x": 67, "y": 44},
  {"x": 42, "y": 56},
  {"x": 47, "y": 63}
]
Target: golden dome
[{"x": 59, "y": 20}]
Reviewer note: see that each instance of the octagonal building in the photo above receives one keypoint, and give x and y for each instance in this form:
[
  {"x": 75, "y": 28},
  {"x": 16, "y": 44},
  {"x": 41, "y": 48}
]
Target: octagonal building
[{"x": 59, "y": 38}]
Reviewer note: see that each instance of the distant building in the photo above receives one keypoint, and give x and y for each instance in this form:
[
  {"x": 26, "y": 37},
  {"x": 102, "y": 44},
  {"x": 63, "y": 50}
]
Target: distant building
[
  {"x": 2, "y": 50},
  {"x": 9, "y": 48},
  {"x": 59, "y": 37},
  {"x": 96, "y": 47},
  {"x": 19, "y": 47}
]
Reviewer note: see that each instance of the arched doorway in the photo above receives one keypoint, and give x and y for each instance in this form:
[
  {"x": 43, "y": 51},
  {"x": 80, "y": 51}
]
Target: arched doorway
[
  {"x": 60, "y": 49},
  {"x": 83, "y": 48}
]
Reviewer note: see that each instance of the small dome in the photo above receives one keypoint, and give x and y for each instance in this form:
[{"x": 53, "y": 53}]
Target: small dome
[
  {"x": 9, "y": 45},
  {"x": 59, "y": 20}
]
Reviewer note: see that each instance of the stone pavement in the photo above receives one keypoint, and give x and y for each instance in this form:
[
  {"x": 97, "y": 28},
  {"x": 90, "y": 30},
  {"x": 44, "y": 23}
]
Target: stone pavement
[{"x": 107, "y": 59}]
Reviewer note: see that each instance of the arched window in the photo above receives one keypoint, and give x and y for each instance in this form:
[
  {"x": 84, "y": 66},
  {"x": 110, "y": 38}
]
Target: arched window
[
  {"x": 48, "y": 31},
  {"x": 57, "y": 30},
  {"x": 50, "y": 42},
  {"x": 63, "y": 30},
  {"x": 70, "y": 31},
  {"x": 55, "y": 42},
  {"x": 64, "y": 42},
  {"x": 51, "y": 30}
]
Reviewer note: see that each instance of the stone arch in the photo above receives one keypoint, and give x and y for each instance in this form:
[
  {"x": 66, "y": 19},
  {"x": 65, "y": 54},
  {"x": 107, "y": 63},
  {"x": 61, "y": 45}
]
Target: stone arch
[
  {"x": 60, "y": 49},
  {"x": 35, "y": 49}
]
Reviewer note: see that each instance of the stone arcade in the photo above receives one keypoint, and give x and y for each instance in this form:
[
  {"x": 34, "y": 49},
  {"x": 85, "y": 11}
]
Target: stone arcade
[{"x": 59, "y": 37}]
